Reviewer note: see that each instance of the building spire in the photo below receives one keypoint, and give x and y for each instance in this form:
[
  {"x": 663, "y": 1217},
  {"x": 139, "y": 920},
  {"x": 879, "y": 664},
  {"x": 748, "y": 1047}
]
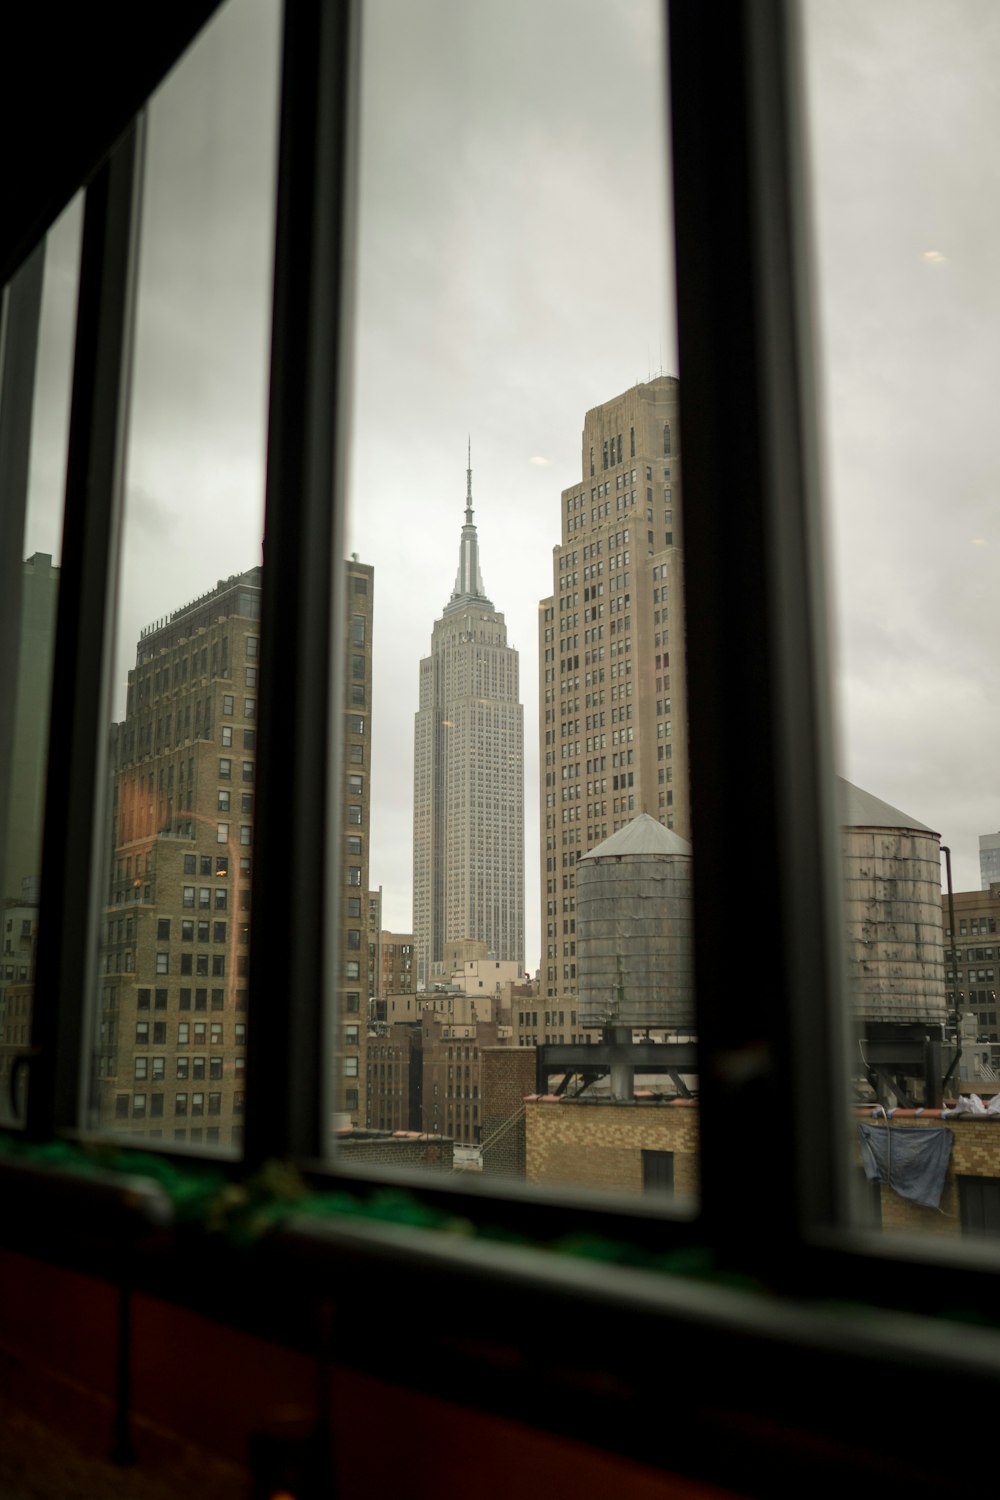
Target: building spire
[{"x": 469, "y": 581}]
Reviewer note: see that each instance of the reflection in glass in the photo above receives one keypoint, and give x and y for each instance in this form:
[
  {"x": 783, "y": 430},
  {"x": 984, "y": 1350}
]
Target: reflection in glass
[
  {"x": 169, "y": 1035},
  {"x": 40, "y": 318},
  {"x": 514, "y": 267}
]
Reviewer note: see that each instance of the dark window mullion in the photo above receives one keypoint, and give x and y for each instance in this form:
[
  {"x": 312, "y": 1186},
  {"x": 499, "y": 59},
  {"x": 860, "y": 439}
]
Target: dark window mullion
[
  {"x": 286, "y": 1054},
  {"x": 73, "y": 851},
  {"x": 761, "y": 779}
]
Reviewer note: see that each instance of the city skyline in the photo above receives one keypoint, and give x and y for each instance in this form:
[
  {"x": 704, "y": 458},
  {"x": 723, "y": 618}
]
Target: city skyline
[{"x": 514, "y": 267}]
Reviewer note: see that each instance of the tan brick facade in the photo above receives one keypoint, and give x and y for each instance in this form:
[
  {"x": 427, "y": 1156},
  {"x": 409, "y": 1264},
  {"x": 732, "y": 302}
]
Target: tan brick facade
[{"x": 599, "y": 1143}]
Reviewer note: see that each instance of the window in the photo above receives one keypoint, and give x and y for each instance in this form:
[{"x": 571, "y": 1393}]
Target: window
[
  {"x": 222, "y": 833},
  {"x": 163, "y": 930},
  {"x": 228, "y": 703},
  {"x": 163, "y": 963},
  {"x": 223, "y": 802},
  {"x": 797, "y": 896},
  {"x": 227, "y": 736},
  {"x": 249, "y": 707},
  {"x": 225, "y": 769},
  {"x": 183, "y": 1033}
]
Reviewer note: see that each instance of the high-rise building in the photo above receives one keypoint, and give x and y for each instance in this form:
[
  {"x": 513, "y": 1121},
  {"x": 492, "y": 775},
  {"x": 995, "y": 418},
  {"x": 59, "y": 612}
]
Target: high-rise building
[
  {"x": 170, "y": 1047},
  {"x": 357, "y": 936},
  {"x": 612, "y": 698},
  {"x": 468, "y": 777}
]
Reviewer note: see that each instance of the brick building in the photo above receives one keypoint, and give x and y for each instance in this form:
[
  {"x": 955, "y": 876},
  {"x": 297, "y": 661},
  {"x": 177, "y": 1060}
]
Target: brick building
[
  {"x": 169, "y": 1053},
  {"x": 169, "y": 1050},
  {"x": 397, "y": 970},
  {"x": 972, "y": 957}
]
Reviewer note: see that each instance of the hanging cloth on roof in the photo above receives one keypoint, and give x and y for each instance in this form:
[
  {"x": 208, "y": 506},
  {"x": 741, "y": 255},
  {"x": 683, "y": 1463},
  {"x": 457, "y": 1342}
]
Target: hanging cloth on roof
[{"x": 911, "y": 1160}]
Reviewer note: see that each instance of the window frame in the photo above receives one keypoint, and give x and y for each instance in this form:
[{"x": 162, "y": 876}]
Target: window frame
[{"x": 757, "y": 718}]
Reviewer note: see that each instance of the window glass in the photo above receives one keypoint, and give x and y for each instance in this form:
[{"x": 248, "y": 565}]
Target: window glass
[
  {"x": 515, "y": 258},
  {"x": 38, "y": 323},
  {"x": 903, "y": 110},
  {"x": 189, "y": 592}
]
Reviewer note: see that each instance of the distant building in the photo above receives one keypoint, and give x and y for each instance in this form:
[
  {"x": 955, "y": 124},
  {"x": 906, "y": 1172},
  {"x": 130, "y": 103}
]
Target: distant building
[
  {"x": 169, "y": 1048},
  {"x": 397, "y": 966},
  {"x": 972, "y": 962},
  {"x": 25, "y": 735},
  {"x": 468, "y": 777},
  {"x": 374, "y": 955},
  {"x": 612, "y": 695},
  {"x": 989, "y": 859},
  {"x": 358, "y": 937}
]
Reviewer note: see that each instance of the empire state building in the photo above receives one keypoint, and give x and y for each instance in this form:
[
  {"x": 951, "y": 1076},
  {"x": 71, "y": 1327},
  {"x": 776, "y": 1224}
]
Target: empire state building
[{"x": 468, "y": 777}]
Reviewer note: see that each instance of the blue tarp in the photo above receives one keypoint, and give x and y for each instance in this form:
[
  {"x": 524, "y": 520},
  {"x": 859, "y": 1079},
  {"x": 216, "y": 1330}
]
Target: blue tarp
[{"x": 913, "y": 1161}]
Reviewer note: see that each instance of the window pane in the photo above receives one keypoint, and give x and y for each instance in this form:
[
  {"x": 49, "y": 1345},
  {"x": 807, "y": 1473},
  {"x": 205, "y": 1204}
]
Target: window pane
[
  {"x": 514, "y": 273},
  {"x": 35, "y": 422},
  {"x": 190, "y": 578},
  {"x": 903, "y": 112}
]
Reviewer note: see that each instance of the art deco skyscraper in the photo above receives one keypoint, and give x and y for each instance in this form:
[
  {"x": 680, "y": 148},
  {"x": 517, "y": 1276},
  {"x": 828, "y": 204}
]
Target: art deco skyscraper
[
  {"x": 468, "y": 777},
  {"x": 612, "y": 697}
]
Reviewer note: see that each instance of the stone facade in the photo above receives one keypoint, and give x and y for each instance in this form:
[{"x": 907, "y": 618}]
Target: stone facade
[{"x": 612, "y": 695}]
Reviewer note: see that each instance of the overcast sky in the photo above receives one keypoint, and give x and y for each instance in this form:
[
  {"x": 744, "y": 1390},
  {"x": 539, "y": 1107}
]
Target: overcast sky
[{"x": 514, "y": 268}]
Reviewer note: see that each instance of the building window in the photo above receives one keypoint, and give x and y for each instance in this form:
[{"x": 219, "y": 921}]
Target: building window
[
  {"x": 228, "y": 703},
  {"x": 163, "y": 963},
  {"x": 222, "y": 833},
  {"x": 225, "y": 768},
  {"x": 163, "y": 930},
  {"x": 227, "y": 736},
  {"x": 223, "y": 801}
]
